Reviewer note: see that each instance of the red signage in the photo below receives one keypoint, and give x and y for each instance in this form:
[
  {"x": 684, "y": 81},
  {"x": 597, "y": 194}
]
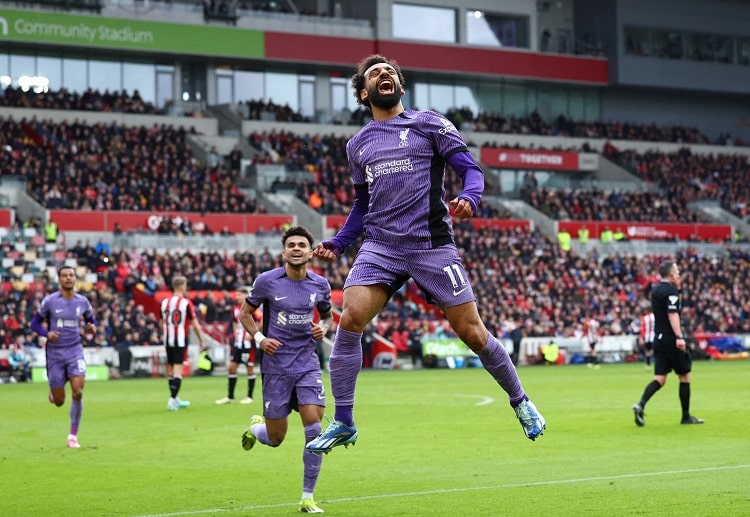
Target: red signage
[
  {"x": 334, "y": 222},
  {"x": 73, "y": 220},
  {"x": 6, "y": 219},
  {"x": 284, "y": 46},
  {"x": 652, "y": 231},
  {"x": 529, "y": 159}
]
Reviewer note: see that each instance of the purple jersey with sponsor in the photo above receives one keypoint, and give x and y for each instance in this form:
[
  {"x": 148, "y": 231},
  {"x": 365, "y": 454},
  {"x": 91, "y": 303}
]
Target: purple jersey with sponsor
[
  {"x": 65, "y": 316},
  {"x": 402, "y": 161},
  {"x": 288, "y": 309}
]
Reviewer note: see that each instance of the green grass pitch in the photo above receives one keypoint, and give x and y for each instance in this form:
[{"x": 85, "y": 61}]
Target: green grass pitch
[{"x": 432, "y": 442}]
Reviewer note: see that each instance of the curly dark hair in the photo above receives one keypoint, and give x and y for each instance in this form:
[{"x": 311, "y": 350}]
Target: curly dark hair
[
  {"x": 358, "y": 78},
  {"x": 297, "y": 230}
]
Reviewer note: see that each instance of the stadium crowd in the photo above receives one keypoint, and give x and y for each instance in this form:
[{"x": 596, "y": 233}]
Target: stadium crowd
[
  {"x": 597, "y": 205},
  {"x": 78, "y": 166},
  {"x": 684, "y": 175},
  {"x": 90, "y": 100},
  {"x": 519, "y": 277}
]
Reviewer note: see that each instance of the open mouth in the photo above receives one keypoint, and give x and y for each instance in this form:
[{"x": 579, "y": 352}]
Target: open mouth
[{"x": 386, "y": 86}]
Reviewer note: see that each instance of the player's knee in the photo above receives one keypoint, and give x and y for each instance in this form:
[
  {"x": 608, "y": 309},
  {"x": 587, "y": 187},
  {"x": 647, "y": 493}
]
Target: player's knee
[
  {"x": 353, "y": 321},
  {"x": 475, "y": 336}
]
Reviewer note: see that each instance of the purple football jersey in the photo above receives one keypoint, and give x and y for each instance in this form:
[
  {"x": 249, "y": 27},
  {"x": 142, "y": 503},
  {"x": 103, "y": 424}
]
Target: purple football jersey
[
  {"x": 402, "y": 160},
  {"x": 66, "y": 317},
  {"x": 288, "y": 310}
]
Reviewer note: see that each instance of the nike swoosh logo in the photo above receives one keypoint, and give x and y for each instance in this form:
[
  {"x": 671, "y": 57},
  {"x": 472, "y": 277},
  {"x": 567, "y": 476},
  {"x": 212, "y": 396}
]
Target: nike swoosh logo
[
  {"x": 58, "y": 311},
  {"x": 277, "y": 298},
  {"x": 364, "y": 149},
  {"x": 456, "y": 293}
]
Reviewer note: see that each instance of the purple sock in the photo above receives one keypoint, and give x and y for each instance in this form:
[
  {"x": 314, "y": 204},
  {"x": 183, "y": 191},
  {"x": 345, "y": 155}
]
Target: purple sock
[
  {"x": 311, "y": 460},
  {"x": 497, "y": 362},
  {"x": 76, "y": 410},
  {"x": 344, "y": 365}
]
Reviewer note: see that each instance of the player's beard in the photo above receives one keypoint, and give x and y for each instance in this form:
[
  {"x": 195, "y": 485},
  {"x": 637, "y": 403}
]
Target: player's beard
[{"x": 384, "y": 100}]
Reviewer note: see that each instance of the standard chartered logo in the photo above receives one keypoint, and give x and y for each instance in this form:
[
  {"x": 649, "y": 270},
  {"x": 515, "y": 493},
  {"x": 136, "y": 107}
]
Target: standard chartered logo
[
  {"x": 79, "y": 31},
  {"x": 389, "y": 167}
]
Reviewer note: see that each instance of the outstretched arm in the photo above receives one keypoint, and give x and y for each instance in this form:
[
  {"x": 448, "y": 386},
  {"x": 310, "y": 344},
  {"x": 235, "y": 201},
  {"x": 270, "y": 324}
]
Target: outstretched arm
[{"x": 353, "y": 227}]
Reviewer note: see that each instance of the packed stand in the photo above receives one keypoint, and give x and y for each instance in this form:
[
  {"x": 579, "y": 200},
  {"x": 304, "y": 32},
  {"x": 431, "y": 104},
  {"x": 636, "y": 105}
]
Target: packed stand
[
  {"x": 597, "y": 205},
  {"x": 688, "y": 176},
  {"x": 518, "y": 276},
  {"x": 72, "y": 165},
  {"x": 90, "y": 100},
  {"x": 522, "y": 276}
]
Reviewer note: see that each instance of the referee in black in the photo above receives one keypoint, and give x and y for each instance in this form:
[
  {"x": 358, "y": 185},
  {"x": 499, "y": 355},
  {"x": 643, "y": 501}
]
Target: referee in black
[{"x": 670, "y": 348}]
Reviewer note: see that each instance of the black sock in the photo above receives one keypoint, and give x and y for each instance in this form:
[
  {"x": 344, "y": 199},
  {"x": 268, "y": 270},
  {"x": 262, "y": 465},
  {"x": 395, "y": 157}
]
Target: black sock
[
  {"x": 685, "y": 399},
  {"x": 250, "y": 386},
  {"x": 176, "y": 383},
  {"x": 232, "y": 384},
  {"x": 652, "y": 388},
  {"x": 172, "y": 392}
]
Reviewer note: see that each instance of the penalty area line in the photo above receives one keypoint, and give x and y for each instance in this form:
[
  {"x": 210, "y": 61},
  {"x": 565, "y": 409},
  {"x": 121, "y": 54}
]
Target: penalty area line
[{"x": 457, "y": 490}]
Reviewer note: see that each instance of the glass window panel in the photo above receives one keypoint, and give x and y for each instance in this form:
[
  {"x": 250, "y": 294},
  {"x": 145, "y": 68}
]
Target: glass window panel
[
  {"x": 21, "y": 65},
  {"x": 489, "y": 96},
  {"x": 479, "y": 31},
  {"x": 105, "y": 75},
  {"x": 593, "y": 105},
  {"x": 141, "y": 77},
  {"x": 339, "y": 93},
  {"x": 497, "y": 30},
  {"x": 558, "y": 102},
  {"x": 248, "y": 86},
  {"x": 421, "y": 95},
  {"x": 224, "y": 88},
  {"x": 724, "y": 51},
  {"x": 465, "y": 98},
  {"x": 282, "y": 89},
  {"x": 51, "y": 69},
  {"x": 75, "y": 75},
  {"x": 743, "y": 51},
  {"x": 637, "y": 41},
  {"x": 307, "y": 98},
  {"x": 164, "y": 87},
  {"x": 577, "y": 108},
  {"x": 700, "y": 48},
  {"x": 4, "y": 71},
  {"x": 514, "y": 100},
  {"x": 434, "y": 23},
  {"x": 441, "y": 98},
  {"x": 667, "y": 44}
]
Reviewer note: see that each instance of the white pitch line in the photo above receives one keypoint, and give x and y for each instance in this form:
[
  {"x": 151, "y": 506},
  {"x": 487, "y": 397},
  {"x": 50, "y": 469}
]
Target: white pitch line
[
  {"x": 483, "y": 400},
  {"x": 454, "y": 490}
]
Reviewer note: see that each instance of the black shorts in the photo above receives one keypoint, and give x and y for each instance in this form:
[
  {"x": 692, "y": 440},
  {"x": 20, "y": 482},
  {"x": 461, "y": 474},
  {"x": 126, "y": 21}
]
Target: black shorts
[
  {"x": 667, "y": 357},
  {"x": 648, "y": 346},
  {"x": 244, "y": 356},
  {"x": 176, "y": 354}
]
